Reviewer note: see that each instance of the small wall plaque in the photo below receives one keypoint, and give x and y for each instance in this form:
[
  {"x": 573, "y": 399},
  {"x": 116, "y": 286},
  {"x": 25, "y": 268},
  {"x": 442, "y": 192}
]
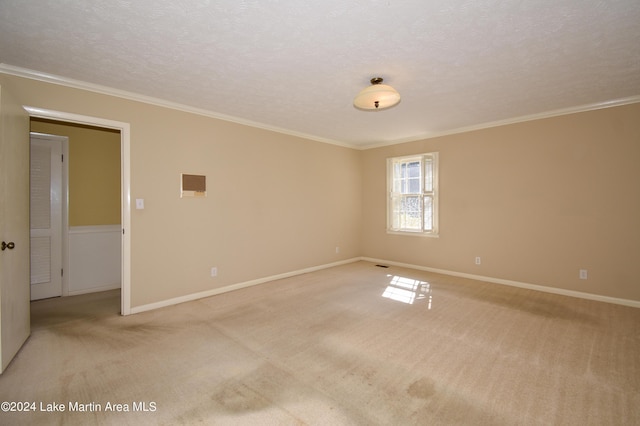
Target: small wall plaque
[{"x": 193, "y": 186}]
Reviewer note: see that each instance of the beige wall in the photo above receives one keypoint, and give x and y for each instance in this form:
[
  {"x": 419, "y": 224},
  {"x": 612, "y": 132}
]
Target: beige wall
[
  {"x": 275, "y": 203},
  {"x": 94, "y": 172},
  {"x": 537, "y": 201}
]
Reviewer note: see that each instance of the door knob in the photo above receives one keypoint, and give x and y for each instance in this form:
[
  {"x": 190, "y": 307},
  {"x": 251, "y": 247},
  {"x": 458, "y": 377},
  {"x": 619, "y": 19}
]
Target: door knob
[{"x": 9, "y": 245}]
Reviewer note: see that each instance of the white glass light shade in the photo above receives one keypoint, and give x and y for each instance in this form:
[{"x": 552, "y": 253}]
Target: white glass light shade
[{"x": 377, "y": 96}]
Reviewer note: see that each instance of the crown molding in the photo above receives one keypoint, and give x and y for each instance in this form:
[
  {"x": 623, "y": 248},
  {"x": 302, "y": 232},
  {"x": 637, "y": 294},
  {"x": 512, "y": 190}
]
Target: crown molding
[
  {"x": 104, "y": 90},
  {"x": 515, "y": 120},
  {"x": 77, "y": 84}
]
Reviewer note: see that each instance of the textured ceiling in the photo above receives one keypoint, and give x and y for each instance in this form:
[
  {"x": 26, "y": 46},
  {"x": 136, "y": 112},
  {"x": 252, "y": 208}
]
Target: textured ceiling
[{"x": 295, "y": 66}]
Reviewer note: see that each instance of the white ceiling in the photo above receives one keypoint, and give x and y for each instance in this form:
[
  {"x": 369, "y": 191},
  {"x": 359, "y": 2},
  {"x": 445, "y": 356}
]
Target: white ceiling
[{"x": 295, "y": 66}]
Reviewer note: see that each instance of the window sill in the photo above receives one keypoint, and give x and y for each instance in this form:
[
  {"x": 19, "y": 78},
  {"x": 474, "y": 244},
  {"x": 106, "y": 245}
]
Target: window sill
[{"x": 414, "y": 234}]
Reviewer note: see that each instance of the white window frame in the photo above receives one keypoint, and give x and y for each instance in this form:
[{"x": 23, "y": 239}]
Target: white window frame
[{"x": 424, "y": 193}]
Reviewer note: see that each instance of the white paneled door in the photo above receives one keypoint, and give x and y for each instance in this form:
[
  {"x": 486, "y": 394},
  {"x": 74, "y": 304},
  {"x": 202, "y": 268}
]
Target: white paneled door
[
  {"x": 15, "y": 311},
  {"x": 46, "y": 216}
]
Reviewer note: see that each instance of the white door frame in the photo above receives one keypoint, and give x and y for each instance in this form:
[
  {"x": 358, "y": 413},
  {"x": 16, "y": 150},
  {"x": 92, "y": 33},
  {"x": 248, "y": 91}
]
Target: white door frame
[{"x": 125, "y": 158}]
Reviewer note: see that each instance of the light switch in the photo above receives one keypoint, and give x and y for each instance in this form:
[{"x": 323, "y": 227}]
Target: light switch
[{"x": 139, "y": 203}]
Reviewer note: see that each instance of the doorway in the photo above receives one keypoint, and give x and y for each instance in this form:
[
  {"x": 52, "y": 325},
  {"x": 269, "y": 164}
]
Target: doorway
[
  {"x": 47, "y": 184},
  {"x": 125, "y": 209}
]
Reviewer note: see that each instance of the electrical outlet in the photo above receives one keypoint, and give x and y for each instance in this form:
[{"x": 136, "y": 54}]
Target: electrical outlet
[
  {"x": 478, "y": 260},
  {"x": 583, "y": 274},
  {"x": 337, "y": 250},
  {"x": 214, "y": 271}
]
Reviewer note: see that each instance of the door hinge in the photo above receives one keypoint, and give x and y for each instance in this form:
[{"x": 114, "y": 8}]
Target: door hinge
[
  {"x": 62, "y": 272},
  {"x": 62, "y": 158}
]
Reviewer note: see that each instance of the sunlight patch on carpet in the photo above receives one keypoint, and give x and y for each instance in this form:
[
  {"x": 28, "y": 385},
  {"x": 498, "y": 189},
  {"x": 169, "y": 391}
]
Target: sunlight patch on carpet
[{"x": 408, "y": 290}]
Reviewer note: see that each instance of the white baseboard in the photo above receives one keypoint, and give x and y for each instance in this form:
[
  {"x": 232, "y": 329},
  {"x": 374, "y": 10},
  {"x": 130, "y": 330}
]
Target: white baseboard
[
  {"x": 554, "y": 290},
  {"x": 238, "y": 286},
  {"x": 95, "y": 289}
]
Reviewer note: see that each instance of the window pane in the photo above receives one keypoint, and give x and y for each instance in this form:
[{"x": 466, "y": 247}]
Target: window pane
[
  {"x": 407, "y": 177},
  {"x": 395, "y": 212},
  {"x": 414, "y": 169},
  {"x": 406, "y": 212},
  {"x": 412, "y": 211},
  {"x": 414, "y": 178},
  {"x": 396, "y": 185},
  {"x": 428, "y": 174},
  {"x": 428, "y": 213},
  {"x": 414, "y": 186},
  {"x": 397, "y": 177}
]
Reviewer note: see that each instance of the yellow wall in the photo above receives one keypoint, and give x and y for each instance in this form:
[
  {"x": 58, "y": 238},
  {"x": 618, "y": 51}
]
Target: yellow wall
[
  {"x": 94, "y": 172},
  {"x": 537, "y": 200}
]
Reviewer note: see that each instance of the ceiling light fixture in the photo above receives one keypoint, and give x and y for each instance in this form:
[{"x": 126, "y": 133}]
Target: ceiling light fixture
[{"x": 377, "y": 96}]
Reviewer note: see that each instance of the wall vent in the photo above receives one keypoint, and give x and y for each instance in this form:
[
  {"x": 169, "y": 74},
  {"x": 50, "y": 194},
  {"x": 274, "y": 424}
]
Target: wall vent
[{"x": 193, "y": 186}]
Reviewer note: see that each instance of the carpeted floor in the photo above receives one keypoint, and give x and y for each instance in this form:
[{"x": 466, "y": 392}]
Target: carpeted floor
[{"x": 351, "y": 345}]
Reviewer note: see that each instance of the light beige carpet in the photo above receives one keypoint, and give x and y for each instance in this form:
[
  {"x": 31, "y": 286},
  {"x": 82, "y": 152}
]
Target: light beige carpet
[{"x": 351, "y": 345}]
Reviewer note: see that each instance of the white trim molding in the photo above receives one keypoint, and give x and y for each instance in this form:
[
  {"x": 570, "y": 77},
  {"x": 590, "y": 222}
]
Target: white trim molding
[
  {"x": 125, "y": 154},
  {"x": 77, "y": 84},
  {"x": 238, "y": 286},
  {"x": 544, "y": 289},
  {"x": 94, "y": 229},
  {"x": 515, "y": 120},
  {"x": 104, "y": 90}
]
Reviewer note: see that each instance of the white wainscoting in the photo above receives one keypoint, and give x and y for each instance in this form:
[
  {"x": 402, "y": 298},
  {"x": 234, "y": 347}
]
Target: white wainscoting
[{"x": 94, "y": 258}]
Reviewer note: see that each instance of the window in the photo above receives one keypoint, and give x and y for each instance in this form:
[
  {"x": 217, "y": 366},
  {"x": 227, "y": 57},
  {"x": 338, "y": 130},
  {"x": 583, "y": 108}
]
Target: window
[{"x": 412, "y": 205}]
